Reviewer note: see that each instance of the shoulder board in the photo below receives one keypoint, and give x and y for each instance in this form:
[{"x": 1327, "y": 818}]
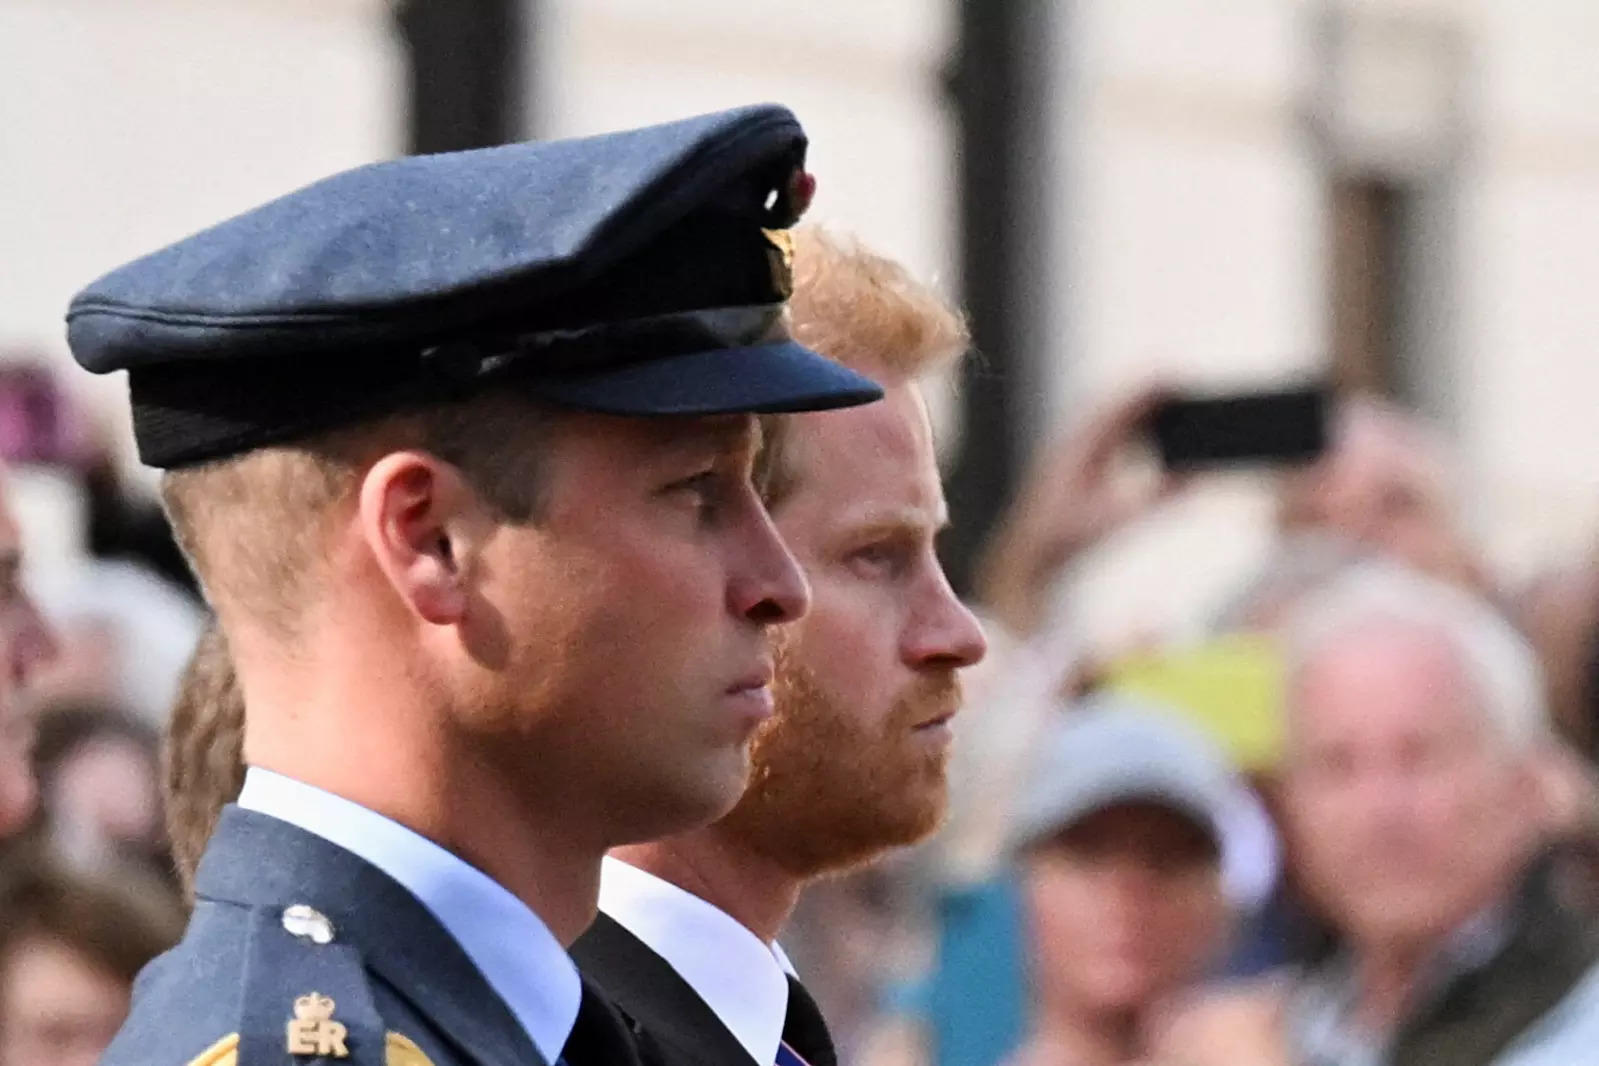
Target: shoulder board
[{"x": 307, "y": 998}]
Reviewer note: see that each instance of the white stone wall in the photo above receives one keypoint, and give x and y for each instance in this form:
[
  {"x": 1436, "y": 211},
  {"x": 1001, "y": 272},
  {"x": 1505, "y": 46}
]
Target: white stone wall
[{"x": 1529, "y": 366}]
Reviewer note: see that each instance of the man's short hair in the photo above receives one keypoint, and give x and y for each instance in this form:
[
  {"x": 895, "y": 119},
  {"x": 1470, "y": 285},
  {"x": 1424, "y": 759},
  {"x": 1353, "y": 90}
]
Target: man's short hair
[
  {"x": 1496, "y": 661},
  {"x": 203, "y": 756},
  {"x": 253, "y": 525},
  {"x": 867, "y": 312}
]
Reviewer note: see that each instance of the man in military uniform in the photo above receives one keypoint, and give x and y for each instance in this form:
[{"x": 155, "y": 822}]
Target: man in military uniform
[
  {"x": 461, "y": 447},
  {"x": 854, "y": 761}
]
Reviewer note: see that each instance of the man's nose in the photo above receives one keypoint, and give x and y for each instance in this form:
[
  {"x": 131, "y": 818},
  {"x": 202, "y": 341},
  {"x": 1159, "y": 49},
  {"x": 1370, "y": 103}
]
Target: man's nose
[
  {"x": 946, "y": 634},
  {"x": 769, "y": 587}
]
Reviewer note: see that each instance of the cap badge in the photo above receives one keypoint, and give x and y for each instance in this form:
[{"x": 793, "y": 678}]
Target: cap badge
[{"x": 780, "y": 254}]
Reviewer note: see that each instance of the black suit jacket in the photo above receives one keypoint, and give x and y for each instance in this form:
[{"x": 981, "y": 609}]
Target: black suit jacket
[{"x": 673, "y": 1025}]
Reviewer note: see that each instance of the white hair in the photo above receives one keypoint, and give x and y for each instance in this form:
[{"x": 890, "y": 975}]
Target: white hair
[{"x": 1496, "y": 660}]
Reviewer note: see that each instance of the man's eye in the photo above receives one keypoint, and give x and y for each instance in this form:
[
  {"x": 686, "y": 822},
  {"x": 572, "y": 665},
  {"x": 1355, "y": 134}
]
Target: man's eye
[
  {"x": 708, "y": 491},
  {"x": 879, "y": 559}
]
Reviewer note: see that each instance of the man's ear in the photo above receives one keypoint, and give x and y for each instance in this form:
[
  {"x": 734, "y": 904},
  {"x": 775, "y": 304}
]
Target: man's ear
[{"x": 414, "y": 512}]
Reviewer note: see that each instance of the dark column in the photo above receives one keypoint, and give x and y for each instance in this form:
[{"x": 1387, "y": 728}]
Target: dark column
[
  {"x": 1000, "y": 87},
  {"x": 466, "y": 74}
]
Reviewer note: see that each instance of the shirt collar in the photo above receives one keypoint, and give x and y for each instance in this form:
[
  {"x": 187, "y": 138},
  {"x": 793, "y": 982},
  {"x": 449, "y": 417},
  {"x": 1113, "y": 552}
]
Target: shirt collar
[
  {"x": 510, "y": 945},
  {"x": 743, "y": 980}
]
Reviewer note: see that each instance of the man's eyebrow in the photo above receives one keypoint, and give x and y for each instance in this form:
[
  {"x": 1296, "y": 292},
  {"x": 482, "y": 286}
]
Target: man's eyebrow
[
  {"x": 897, "y": 520},
  {"x": 726, "y": 437},
  {"x": 704, "y": 441}
]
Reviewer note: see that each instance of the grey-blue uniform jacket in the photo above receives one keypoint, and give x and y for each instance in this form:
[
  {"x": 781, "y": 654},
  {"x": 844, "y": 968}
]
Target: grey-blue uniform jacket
[{"x": 300, "y": 952}]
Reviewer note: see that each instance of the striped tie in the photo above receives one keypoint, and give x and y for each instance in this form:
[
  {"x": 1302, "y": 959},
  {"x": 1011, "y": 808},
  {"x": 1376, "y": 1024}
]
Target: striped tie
[
  {"x": 806, "y": 1041},
  {"x": 787, "y": 1056}
]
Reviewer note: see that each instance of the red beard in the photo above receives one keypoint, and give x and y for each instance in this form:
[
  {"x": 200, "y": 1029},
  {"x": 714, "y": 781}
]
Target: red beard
[{"x": 828, "y": 792}]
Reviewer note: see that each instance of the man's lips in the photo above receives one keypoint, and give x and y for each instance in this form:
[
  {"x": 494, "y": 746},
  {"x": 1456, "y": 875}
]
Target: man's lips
[
  {"x": 756, "y": 679},
  {"x": 939, "y": 720}
]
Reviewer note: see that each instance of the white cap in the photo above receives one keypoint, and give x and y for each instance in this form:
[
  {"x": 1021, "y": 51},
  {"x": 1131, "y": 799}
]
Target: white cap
[{"x": 1113, "y": 749}]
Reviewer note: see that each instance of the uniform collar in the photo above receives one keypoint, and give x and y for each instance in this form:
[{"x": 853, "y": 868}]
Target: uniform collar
[
  {"x": 510, "y": 945},
  {"x": 741, "y": 978}
]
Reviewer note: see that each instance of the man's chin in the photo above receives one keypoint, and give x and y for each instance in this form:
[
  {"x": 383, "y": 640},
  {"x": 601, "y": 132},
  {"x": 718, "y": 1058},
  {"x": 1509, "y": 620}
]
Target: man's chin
[
  {"x": 694, "y": 803},
  {"x": 909, "y": 823}
]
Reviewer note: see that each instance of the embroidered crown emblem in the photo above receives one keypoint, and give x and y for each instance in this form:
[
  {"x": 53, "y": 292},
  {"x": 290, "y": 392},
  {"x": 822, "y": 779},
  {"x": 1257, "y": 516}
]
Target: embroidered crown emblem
[
  {"x": 312, "y": 1030},
  {"x": 313, "y": 1008}
]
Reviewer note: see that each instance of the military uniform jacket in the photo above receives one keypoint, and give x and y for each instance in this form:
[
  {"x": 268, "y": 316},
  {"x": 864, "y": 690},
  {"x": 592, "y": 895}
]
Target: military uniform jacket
[{"x": 300, "y": 952}]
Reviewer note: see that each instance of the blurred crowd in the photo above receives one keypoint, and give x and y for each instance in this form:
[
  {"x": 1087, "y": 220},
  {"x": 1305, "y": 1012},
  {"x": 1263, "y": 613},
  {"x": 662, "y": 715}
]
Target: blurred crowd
[{"x": 1353, "y": 821}]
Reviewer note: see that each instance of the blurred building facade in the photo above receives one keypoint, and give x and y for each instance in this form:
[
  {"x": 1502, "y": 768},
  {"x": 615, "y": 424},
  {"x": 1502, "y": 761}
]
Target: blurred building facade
[{"x": 1227, "y": 194}]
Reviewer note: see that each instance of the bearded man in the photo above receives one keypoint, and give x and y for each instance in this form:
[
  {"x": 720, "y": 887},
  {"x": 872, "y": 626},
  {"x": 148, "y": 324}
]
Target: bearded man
[{"x": 853, "y": 762}]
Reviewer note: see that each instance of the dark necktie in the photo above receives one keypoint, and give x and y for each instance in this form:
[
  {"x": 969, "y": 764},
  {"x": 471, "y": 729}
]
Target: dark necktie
[
  {"x": 600, "y": 1037},
  {"x": 805, "y": 1035}
]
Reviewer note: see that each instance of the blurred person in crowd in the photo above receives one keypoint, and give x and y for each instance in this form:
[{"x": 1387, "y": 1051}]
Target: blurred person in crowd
[
  {"x": 1414, "y": 795},
  {"x": 1559, "y": 612},
  {"x": 1121, "y": 834},
  {"x": 104, "y": 567},
  {"x": 98, "y": 786},
  {"x": 70, "y": 947},
  {"x": 42, "y": 426},
  {"x": 1088, "y": 485},
  {"x": 853, "y": 762},
  {"x": 1388, "y": 484},
  {"x": 202, "y": 757},
  {"x": 26, "y": 644}
]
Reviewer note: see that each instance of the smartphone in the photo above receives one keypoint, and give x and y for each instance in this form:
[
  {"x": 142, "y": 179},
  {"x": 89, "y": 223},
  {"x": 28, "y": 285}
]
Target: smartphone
[{"x": 1281, "y": 427}]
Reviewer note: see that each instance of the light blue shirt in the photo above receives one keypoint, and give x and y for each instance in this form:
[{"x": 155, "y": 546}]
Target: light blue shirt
[{"x": 510, "y": 945}]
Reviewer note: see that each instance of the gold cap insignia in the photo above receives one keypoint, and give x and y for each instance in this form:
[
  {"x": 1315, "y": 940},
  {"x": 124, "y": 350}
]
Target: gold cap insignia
[
  {"x": 780, "y": 254},
  {"x": 313, "y": 1031}
]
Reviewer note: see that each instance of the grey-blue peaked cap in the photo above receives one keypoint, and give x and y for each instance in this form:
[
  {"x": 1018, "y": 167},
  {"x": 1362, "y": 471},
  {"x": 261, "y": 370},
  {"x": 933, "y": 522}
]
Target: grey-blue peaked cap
[{"x": 640, "y": 273}]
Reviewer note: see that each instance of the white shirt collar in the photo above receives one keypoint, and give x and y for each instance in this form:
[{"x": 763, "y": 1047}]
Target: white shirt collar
[
  {"x": 742, "y": 980},
  {"x": 510, "y": 945}
]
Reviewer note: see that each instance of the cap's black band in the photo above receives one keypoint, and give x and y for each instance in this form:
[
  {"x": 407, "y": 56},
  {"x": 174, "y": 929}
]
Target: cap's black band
[
  {"x": 566, "y": 352},
  {"x": 190, "y": 412}
]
